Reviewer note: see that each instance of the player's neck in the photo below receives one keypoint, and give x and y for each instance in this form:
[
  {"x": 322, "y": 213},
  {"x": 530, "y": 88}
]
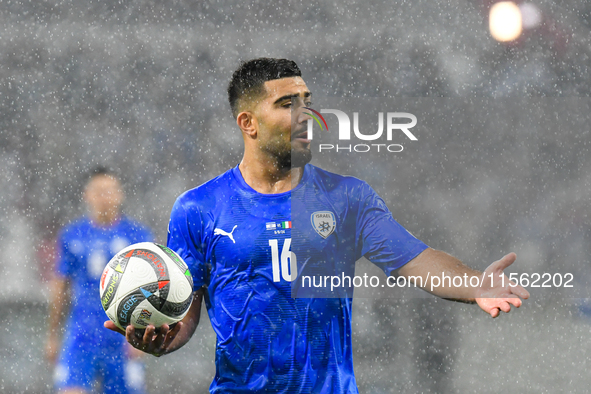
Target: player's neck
[
  {"x": 105, "y": 219},
  {"x": 268, "y": 178}
]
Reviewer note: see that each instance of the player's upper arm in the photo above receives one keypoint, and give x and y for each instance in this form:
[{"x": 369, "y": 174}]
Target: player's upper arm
[
  {"x": 385, "y": 242},
  {"x": 185, "y": 234},
  {"x": 59, "y": 288}
]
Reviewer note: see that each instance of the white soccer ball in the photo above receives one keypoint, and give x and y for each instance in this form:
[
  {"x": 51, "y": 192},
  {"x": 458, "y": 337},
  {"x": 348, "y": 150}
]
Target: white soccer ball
[{"x": 146, "y": 283}]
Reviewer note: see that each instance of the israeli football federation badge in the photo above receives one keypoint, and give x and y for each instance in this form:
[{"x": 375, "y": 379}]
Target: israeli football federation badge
[{"x": 324, "y": 223}]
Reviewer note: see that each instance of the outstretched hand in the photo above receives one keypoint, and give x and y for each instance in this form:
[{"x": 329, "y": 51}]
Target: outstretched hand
[
  {"x": 492, "y": 296},
  {"x": 153, "y": 341}
]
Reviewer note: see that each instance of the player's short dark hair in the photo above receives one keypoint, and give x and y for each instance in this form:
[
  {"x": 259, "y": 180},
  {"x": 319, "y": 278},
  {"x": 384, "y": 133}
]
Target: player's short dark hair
[
  {"x": 102, "y": 170},
  {"x": 248, "y": 80}
]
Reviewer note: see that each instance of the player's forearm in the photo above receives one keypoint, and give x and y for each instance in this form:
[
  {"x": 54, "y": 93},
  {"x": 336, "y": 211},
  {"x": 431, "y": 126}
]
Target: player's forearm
[
  {"x": 442, "y": 275},
  {"x": 190, "y": 323},
  {"x": 58, "y": 305}
]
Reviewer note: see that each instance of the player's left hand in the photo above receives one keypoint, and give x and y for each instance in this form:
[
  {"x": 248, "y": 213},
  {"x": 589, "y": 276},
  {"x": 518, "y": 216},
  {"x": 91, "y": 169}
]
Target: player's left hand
[
  {"x": 153, "y": 341},
  {"x": 492, "y": 296}
]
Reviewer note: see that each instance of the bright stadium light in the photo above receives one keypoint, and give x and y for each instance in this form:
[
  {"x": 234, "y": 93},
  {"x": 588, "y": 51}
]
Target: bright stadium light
[{"x": 505, "y": 21}]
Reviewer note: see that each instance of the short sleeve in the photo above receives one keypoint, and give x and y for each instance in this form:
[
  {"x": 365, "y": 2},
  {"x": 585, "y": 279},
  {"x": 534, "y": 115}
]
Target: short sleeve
[
  {"x": 65, "y": 258},
  {"x": 382, "y": 240},
  {"x": 185, "y": 234}
]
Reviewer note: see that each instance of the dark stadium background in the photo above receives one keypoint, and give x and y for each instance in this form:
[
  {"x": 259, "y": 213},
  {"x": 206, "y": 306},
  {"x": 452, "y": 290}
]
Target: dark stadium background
[{"x": 140, "y": 86}]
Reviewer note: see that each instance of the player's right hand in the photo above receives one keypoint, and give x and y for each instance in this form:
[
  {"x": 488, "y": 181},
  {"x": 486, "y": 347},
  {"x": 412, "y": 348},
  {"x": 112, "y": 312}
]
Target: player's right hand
[
  {"x": 495, "y": 295},
  {"x": 153, "y": 341}
]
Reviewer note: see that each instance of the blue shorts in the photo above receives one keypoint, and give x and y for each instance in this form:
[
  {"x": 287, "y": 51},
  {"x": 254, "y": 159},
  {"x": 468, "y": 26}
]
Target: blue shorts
[{"x": 84, "y": 360}]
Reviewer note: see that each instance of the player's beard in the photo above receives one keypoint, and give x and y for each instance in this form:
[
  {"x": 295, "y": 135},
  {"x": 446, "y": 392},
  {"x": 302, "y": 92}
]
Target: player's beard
[
  {"x": 294, "y": 158},
  {"x": 300, "y": 157},
  {"x": 287, "y": 156}
]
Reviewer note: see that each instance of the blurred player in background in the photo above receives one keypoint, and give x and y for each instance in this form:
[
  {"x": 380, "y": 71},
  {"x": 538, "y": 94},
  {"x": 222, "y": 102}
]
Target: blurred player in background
[
  {"x": 235, "y": 233},
  {"x": 89, "y": 354}
]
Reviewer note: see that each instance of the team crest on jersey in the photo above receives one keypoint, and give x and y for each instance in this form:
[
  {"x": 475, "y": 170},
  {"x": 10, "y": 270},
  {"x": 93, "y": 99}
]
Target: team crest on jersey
[{"x": 324, "y": 223}]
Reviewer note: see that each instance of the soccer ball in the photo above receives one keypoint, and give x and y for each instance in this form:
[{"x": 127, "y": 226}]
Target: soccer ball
[{"x": 146, "y": 283}]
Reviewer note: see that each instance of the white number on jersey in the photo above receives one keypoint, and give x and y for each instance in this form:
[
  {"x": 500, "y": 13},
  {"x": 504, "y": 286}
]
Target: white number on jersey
[{"x": 288, "y": 270}]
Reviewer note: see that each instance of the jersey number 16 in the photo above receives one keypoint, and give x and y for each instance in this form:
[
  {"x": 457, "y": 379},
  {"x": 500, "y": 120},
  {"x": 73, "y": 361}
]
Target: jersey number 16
[{"x": 288, "y": 269}]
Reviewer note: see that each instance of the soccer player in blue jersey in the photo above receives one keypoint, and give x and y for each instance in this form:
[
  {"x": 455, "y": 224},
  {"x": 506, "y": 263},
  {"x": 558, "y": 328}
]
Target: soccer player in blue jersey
[
  {"x": 252, "y": 233},
  {"x": 89, "y": 352}
]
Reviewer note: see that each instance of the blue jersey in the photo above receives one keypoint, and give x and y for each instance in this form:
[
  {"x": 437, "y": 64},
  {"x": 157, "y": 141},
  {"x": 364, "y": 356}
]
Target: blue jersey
[
  {"x": 250, "y": 251},
  {"x": 84, "y": 249}
]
